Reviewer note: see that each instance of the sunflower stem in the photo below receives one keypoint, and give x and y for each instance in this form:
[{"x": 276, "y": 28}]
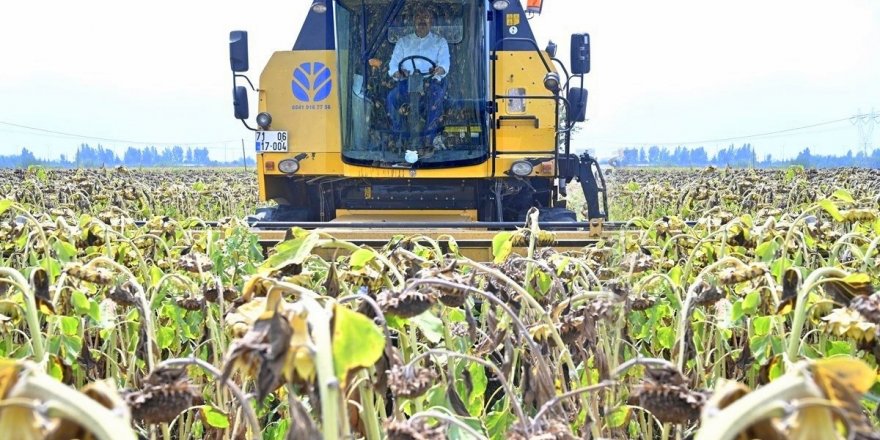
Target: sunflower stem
[
  {"x": 31, "y": 317},
  {"x": 800, "y": 309}
]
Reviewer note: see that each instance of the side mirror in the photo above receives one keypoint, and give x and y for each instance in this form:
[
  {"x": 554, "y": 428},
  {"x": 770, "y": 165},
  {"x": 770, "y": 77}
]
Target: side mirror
[
  {"x": 240, "y": 102},
  {"x": 577, "y": 104},
  {"x": 238, "y": 51},
  {"x": 580, "y": 54}
]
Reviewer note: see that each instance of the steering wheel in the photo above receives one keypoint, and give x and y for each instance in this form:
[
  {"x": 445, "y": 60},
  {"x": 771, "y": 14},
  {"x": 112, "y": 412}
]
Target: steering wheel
[{"x": 412, "y": 59}]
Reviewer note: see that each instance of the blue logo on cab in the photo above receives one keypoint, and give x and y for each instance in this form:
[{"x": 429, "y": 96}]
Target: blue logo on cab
[{"x": 312, "y": 82}]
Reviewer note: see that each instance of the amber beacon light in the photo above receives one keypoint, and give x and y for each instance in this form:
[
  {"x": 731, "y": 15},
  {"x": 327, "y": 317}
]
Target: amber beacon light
[{"x": 534, "y": 6}]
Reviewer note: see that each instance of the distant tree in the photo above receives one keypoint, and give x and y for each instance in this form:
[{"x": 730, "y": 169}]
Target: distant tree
[
  {"x": 132, "y": 157},
  {"x": 27, "y": 158},
  {"x": 150, "y": 156},
  {"x": 200, "y": 156},
  {"x": 654, "y": 155},
  {"x": 177, "y": 154},
  {"x": 699, "y": 157},
  {"x": 106, "y": 156},
  {"x": 804, "y": 158}
]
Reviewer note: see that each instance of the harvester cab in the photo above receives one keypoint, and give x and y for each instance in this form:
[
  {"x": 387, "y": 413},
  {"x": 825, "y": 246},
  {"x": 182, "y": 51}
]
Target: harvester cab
[{"x": 419, "y": 110}]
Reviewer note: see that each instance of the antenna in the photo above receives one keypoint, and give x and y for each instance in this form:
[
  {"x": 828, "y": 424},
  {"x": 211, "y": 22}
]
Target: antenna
[{"x": 865, "y": 123}]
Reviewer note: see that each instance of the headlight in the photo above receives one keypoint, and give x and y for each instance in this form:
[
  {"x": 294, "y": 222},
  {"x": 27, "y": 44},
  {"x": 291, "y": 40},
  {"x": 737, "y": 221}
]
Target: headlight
[
  {"x": 288, "y": 166},
  {"x": 500, "y": 5},
  {"x": 522, "y": 168},
  {"x": 264, "y": 120},
  {"x": 551, "y": 82}
]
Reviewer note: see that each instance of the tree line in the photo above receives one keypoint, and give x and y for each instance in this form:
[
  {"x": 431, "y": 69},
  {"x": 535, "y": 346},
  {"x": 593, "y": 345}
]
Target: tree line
[
  {"x": 742, "y": 156},
  {"x": 92, "y": 157}
]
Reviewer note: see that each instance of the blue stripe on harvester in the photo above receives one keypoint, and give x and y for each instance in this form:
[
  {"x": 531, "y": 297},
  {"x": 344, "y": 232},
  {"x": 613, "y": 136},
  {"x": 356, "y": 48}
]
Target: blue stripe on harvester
[{"x": 317, "y": 32}]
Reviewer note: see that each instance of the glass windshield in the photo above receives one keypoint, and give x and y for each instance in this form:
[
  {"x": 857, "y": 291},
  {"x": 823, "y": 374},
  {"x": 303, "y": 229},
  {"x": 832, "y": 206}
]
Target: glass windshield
[{"x": 413, "y": 77}]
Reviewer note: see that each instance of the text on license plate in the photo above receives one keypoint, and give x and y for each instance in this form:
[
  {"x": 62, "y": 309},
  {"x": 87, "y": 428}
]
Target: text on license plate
[{"x": 271, "y": 141}]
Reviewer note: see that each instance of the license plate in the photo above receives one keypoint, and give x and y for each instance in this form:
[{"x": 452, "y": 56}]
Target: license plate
[{"x": 271, "y": 141}]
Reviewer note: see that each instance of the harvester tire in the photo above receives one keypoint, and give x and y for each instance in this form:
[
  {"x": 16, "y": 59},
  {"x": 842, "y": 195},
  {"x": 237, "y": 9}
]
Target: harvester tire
[
  {"x": 280, "y": 213},
  {"x": 556, "y": 215}
]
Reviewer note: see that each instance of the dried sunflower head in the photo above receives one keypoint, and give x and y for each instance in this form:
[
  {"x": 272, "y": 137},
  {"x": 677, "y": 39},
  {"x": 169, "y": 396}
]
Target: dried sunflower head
[
  {"x": 619, "y": 287},
  {"x": 413, "y": 430},
  {"x": 166, "y": 393},
  {"x": 410, "y": 382},
  {"x": 665, "y": 376},
  {"x": 453, "y": 297},
  {"x": 708, "y": 294},
  {"x": 571, "y": 329},
  {"x": 868, "y": 307},
  {"x": 641, "y": 302},
  {"x": 123, "y": 295},
  {"x": 858, "y": 215},
  {"x": 94, "y": 275},
  {"x": 736, "y": 275},
  {"x": 600, "y": 308},
  {"x": 605, "y": 273},
  {"x": 195, "y": 262},
  {"x": 600, "y": 255},
  {"x": 670, "y": 403},
  {"x": 449, "y": 296},
  {"x": 545, "y": 253},
  {"x": 637, "y": 262},
  {"x": 514, "y": 269},
  {"x": 549, "y": 429},
  {"x": 212, "y": 293},
  {"x": 191, "y": 303},
  {"x": 522, "y": 237},
  {"x": 406, "y": 304}
]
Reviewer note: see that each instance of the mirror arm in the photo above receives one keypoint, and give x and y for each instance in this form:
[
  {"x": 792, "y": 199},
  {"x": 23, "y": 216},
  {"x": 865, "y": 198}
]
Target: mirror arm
[
  {"x": 246, "y": 125},
  {"x": 238, "y": 75}
]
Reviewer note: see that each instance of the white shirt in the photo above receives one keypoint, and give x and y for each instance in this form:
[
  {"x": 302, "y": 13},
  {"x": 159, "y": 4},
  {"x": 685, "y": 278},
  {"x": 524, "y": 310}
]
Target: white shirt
[{"x": 432, "y": 47}]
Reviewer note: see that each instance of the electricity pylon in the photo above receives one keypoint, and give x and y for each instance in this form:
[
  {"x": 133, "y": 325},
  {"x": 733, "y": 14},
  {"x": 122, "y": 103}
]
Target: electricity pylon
[{"x": 865, "y": 122}]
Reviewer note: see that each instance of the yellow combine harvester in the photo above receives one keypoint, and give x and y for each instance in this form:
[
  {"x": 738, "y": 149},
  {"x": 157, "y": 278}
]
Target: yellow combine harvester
[{"x": 444, "y": 113}]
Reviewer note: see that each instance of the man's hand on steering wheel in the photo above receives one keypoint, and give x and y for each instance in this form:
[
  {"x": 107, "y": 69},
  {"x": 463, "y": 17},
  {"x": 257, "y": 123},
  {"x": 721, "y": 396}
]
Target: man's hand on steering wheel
[{"x": 403, "y": 73}]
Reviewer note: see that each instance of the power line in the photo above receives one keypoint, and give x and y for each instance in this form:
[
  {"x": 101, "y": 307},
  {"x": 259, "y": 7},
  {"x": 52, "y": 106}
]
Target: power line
[
  {"x": 98, "y": 138},
  {"x": 769, "y": 133}
]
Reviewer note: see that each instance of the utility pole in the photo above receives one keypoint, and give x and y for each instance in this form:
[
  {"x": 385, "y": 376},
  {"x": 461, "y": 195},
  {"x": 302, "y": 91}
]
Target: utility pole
[
  {"x": 865, "y": 123},
  {"x": 243, "y": 157}
]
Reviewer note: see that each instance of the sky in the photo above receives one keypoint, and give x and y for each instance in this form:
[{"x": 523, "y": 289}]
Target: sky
[{"x": 676, "y": 72}]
